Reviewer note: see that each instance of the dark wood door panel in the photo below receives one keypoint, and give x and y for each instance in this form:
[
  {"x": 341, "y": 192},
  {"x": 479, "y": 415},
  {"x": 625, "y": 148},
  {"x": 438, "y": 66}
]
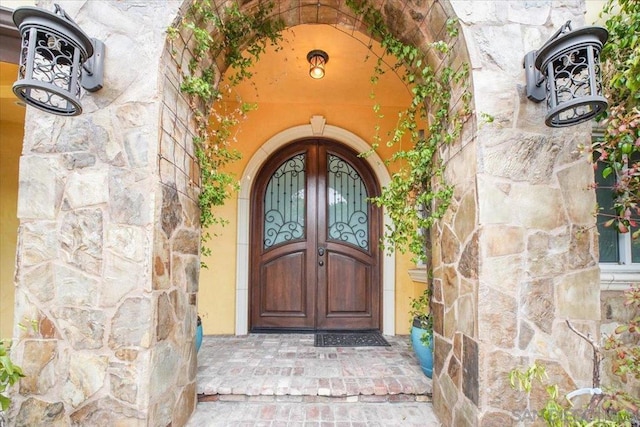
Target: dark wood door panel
[
  {"x": 348, "y": 299},
  {"x": 348, "y": 286},
  {"x": 283, "y": 288}
]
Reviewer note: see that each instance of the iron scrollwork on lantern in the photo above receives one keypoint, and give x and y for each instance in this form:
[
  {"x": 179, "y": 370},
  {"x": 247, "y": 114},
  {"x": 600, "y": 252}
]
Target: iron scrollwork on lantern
[
  {"x": 57, "y": 59},
  {"x": 568, "y": 64}
]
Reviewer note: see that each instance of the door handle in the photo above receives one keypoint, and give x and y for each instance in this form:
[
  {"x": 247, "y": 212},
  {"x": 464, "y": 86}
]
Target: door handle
[
  {"x": 320, "y": 251},
  {"x": 320, "y": 263}
]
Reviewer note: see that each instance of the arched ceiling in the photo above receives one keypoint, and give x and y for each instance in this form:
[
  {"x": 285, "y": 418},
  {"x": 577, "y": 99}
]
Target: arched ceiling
[{"x": 282, "y": 76}]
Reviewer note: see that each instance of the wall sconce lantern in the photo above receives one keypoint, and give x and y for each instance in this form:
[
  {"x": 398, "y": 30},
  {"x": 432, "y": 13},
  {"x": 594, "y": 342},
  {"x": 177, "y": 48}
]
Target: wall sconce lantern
[
  {"x": 569, "y": 64},
  {"x": 317, "y": 59},
  {"x": 56, "y": 59}
]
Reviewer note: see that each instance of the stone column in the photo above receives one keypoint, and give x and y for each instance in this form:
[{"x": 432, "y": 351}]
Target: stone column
[
  {"x": 108, "y": 251},
  {"x": 516, "y": 255}
]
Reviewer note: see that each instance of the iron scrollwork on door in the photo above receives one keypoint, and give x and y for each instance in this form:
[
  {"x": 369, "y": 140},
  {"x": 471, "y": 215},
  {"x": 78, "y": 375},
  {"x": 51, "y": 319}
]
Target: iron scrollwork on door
[
  {"x": 284, "y": 204},
  {"x": 347, "y": 204}
]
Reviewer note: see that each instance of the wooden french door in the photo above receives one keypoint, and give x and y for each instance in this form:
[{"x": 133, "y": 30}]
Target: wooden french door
[{"x": 314, "y": 241}]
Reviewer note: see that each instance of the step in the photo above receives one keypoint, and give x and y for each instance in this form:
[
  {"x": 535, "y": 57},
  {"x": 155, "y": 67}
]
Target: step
[
  {"x": 284, "y": 380},
  {"x": 418, "y": 389},
  {"x": 391, "y": 398},
  {"x": 330, "y": 413}
]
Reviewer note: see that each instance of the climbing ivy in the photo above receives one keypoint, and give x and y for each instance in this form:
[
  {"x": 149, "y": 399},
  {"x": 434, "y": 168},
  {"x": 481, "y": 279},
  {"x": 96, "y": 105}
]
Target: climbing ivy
[
  {"x": 418, "y": 195},
  {"x": 618, "y": 151},
  {"x": 10, "y": 374},
  {"x": 231, "y": 40}
]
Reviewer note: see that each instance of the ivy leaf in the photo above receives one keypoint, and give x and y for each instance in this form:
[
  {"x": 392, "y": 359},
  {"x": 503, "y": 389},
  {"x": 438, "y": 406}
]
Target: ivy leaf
[{"x": 622, "y": 328}]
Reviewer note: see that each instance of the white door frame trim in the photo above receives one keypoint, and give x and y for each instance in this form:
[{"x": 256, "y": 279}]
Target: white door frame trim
[{"x": 244, "y": 216}]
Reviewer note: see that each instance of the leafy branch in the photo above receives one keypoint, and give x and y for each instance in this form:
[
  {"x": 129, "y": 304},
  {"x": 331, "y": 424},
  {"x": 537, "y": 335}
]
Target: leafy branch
[
  {"x": 228, "y": 40},
  {"x": 623, "y": 343},
  {"x": 9, "y": 374},
  {"x": 417, "y": 195},
  {"x": 618, "y": 151}
]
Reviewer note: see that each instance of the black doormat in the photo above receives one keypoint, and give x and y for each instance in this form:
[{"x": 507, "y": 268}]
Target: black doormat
[{"x": 350, "y": 339}]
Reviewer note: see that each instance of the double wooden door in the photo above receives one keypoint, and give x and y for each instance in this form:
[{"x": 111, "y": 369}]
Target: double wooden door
[{"x": 315, "y": 257}]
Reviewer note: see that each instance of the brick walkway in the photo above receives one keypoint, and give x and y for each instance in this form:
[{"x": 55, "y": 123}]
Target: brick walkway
[{"x": 283, "y": 380}]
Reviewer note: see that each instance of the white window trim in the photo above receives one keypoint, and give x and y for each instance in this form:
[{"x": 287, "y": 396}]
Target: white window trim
[{"x": 614, "y": 278}]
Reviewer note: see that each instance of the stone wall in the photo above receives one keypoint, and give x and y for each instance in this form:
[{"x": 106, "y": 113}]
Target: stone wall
[
  {"x": 516, "y": 255},
  {"x": 108, "y": 241},
  {"x": 107, "y": 262}
]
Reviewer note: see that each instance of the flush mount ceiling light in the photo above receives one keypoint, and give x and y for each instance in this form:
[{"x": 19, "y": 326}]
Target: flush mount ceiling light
[
  {"x": 317, "y": 59},
  {"x": 569, "y": 64},
  {"x": 57, "y": 59}
]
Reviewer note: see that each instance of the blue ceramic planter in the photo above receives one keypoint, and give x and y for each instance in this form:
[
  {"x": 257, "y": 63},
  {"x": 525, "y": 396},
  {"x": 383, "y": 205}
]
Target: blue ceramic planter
[
  {"x": 423, "y": 353},
  {"x": 199, "y": 334}
]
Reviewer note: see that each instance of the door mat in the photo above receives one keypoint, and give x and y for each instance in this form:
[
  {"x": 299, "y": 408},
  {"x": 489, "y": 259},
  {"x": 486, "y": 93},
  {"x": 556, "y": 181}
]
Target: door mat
[{"x": 350, "y": 339}]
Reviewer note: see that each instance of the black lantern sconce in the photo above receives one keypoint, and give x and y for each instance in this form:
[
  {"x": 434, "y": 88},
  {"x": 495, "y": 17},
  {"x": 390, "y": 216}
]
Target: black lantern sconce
[
  {"x": 56, "y": 59},
  {"x": 317, "y": 60},
  {"x": 569, "y": 66}
]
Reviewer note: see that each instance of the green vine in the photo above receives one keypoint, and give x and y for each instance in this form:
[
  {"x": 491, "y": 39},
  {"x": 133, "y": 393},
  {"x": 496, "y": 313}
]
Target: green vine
[
  {"x": 417, "y": 195},
  {"x": 220, "y": 40},
  {"x": 10, "y": 374},
  {"x": 618, "y": 151},
  {"x": 420, "y": 315}
]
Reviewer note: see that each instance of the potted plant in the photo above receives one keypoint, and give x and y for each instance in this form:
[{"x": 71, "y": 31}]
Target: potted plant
[
  {"x": 199, "y": 334},
  {"x": 422, "y": 331}
]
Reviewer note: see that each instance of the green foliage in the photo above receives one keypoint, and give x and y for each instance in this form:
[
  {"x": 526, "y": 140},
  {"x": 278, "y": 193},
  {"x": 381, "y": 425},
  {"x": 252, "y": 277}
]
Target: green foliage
[
  {"x": 9, "y": 374},
  {"x": 420, "y": 311},
  {"x": 202, "y": 87},
  {"x": 626, "y": 352},
  {"x": 620, "y": 144},
  {"x": 522, "y": 380},
  {"x": 617, "y": 153},
  {"x": 417, "y": 195},
  {"x": 601, "y": 411},
  {"x": 235, "y": 40},
  {"x": 621, "y": 53},
  {"x": 486, "y": 117}
]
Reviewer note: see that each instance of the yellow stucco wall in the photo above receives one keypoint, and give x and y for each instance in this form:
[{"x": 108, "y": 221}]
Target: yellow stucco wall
[
  {"x": 10, "y": 146},
  {"x": 216, "y": 298}
]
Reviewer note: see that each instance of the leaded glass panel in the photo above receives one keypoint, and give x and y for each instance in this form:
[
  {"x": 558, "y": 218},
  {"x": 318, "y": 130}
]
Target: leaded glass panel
[
  {"x": 347, "y": 204},
  {"x": 284, "y": 206}
]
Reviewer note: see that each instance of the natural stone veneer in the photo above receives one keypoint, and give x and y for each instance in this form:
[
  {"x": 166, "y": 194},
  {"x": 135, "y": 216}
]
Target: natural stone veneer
[
  {"x": 99, "y": 236},
  {"x": 108, "y": 265},
  {"x": 515, "y": 255}
]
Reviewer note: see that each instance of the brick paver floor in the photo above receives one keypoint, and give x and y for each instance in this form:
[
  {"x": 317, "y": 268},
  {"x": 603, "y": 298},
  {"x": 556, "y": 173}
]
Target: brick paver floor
[{"x": 283, "y": 380}]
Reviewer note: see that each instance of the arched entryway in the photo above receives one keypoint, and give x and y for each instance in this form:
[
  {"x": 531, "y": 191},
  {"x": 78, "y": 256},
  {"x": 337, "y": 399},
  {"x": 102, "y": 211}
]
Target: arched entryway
[
  {"x": 273, "y": 145},
  {"x": 91, "y": 266},
  {"x": 314, "y": 256}
]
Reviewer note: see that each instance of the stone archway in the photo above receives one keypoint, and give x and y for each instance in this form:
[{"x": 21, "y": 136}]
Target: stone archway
[
  {"x": 110, "y": 277},
  {"x": 484, "y": 319}
]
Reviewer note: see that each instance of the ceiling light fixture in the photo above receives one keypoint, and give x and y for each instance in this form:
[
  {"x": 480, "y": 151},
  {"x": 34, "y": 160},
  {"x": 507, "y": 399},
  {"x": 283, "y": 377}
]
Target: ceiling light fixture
[{"x": 317, "y": 59}]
